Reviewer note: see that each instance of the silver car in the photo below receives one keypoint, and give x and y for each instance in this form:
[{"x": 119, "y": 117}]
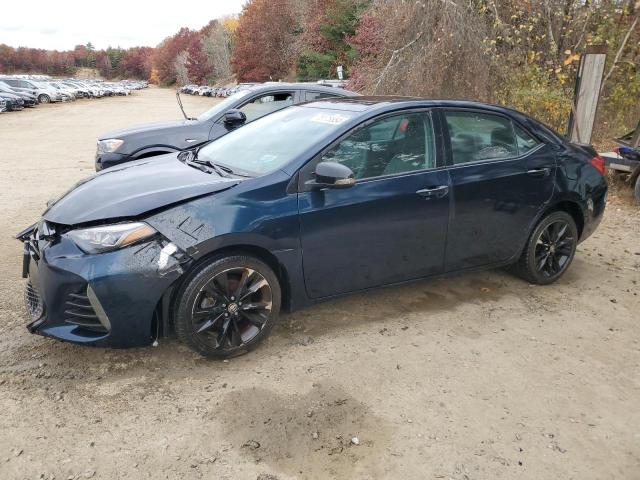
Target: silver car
[{"x": 44, "y": 93}]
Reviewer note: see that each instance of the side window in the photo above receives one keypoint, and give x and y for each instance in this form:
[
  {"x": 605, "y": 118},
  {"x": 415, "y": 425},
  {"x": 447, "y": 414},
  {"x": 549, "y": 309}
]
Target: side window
[
  {"x": 390, "y": 146},
  {"x": 261, "y": 106},
  {"x": 13, "y": 83},
  {"x": 308, "y": 96},
  {"x": 525, "y": 141},
  {"x": 480, "y": 136}
]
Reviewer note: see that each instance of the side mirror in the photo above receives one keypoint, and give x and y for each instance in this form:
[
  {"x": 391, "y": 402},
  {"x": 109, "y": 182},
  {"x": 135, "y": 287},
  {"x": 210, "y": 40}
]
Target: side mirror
[
  {"x": 332, "y": 175},
  {"x": 234, "y": 118}
]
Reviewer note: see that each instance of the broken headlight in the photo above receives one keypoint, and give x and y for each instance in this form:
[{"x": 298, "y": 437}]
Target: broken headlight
[
  {"x": 109, "y": 145},
  {"x": 111, "y": 237}
]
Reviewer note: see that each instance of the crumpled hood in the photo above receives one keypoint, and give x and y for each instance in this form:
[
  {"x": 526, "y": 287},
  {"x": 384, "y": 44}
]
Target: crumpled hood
[
  {"x": 145, "y": 128},
  {"x": 133, "y": 189}
]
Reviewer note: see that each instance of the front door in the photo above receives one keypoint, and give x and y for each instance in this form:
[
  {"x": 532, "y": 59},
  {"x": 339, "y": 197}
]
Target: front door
[{"x": 391, "y": 225}]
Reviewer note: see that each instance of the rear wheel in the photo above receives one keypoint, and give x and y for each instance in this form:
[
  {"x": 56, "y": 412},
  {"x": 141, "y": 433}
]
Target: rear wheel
[
  {"x": 550, "y": 249},
  {"x": 227, "y": 306},
  {"x": 42, "y": 98}
]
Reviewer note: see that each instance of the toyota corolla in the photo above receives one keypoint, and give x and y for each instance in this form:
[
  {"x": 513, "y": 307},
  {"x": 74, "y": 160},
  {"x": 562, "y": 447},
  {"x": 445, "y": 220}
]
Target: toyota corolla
[{"x": 309, "y": 203}]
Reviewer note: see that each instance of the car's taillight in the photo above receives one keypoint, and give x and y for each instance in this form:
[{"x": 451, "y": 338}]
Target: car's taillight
[{"x": 598, "y": 162}]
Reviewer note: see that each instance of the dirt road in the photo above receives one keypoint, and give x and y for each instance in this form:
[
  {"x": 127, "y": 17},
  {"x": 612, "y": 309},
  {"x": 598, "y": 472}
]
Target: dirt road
[{"x": 479, "y": 376}]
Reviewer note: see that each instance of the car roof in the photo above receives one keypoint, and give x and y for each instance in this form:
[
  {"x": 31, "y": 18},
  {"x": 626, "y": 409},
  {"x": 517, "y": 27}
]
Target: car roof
[
  {"x": 382, "y": 102},
  {"x": 315, "y": 87},
  {"x": 369, "y": 106},
  {"x": 394, "y": 102}
]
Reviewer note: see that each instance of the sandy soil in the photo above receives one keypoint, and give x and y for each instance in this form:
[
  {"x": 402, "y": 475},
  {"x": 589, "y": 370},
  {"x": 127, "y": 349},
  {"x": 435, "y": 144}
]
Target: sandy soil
[{"x": 479, "y": 376}]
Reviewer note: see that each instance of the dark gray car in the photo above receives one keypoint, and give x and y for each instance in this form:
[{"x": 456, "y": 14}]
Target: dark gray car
[{"x": 246, "y": 105}]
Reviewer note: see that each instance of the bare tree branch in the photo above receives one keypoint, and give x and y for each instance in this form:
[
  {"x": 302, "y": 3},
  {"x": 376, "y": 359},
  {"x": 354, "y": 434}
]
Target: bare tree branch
[
  {"x": 394, "y": 54},
  {"x": 584, "y": 29},
  {"x": 619, "y": 53}
]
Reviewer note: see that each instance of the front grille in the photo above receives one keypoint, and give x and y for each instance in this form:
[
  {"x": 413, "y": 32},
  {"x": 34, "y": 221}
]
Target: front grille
[
  {"x": 33, "y": 302},
  {"x": 79, "y": 311}
]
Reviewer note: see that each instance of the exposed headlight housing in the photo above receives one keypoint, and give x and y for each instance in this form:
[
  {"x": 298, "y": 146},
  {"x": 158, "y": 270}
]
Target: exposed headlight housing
[
  {"x": 111, "y": 237},
  {"x": 109, "y": 145}
]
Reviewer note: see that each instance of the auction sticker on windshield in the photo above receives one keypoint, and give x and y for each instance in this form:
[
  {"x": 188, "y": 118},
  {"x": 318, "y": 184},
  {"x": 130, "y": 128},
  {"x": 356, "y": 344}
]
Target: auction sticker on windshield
[{"x": 329, "y": 118}]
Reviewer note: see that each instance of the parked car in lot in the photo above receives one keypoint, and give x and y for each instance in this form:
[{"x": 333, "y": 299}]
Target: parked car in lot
[
  {"x": 34, "y": 89},
  {"x": 28, "y": 99},
  {"x": 44, "y": 93},
  {"x": 246, "y": 105},
  {"x": 67, "y": 93},
  {"x": 308, "y": 203},
  {"x": 79, "y": 91},
  {"x": 13, "y": 102},
  {"x": 188, "y": 89}
]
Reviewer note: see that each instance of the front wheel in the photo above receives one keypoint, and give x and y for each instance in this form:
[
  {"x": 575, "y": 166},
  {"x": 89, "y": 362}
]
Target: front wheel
[
  {"x": 637, "y": 190},
  {"x": 550, "y": 249},
  {"x": 42, "y": 98},
  {"x": 227, "y": 306}
]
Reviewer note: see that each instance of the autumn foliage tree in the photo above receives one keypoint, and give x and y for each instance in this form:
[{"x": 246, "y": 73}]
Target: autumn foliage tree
[
  {"x": 112, "y": 62},
  {"x": 136, "y": 63},
  {"x": 197, "y": 62},
  {"x": 164, "y": 59},
  {"x": 263, "y": 41}
]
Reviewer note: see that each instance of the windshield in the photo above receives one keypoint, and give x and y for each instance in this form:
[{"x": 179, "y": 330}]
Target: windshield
[
  {"x": 271, "y": 142},
  {"x": 223, "y": 106}
]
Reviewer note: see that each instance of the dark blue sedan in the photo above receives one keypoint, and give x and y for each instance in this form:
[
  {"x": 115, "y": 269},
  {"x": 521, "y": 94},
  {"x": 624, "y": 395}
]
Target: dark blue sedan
[{"x": 312, "y": 202}]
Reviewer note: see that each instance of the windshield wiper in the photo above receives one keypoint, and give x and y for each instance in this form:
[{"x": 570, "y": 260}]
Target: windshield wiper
[
  {"x": 222, "y": 171},
  {"x": 191, "y": 158}
]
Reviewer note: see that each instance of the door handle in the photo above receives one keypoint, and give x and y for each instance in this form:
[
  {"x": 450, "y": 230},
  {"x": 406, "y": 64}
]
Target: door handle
[
  {"x": 539, "y": 172},
  {"x": 434, "y": 192}
]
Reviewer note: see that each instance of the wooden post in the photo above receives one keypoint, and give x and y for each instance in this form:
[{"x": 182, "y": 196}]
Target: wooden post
[{"x": 587, "y": 93}]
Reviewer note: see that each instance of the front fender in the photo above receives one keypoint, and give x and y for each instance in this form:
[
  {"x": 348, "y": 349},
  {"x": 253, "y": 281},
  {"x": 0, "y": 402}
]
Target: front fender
[
  {"x": 257, "y": 211},
  {"x": 256, "y": 214},
  {"x": 157, "y": 149}
]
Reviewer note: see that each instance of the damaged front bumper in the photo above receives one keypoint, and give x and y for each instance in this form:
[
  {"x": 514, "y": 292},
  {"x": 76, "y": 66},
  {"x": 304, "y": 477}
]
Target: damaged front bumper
[{"x": 109, "y": 299}]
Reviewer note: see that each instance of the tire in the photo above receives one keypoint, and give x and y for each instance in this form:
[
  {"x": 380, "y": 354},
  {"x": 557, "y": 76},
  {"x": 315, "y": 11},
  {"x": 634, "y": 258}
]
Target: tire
[
  {"x": 546, "y": 257},
  {"x": 42, "y": 98},
  {"x": 637, "y": 190},
  {"x": 209, "y": 317}
]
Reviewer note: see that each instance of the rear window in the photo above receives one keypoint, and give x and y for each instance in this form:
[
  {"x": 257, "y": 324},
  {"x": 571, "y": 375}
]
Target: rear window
[
  {"x": 480, "y": 136},
  {"x": 309, "y": 96},
  {"x": 525, "y": 141}
]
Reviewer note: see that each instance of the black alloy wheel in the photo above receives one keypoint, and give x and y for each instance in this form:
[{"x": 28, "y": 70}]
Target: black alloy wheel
[
  {"x": 228, "y": 306},
  {"x": 554, "y": 248},
  {"x": 550, "y": 249}
]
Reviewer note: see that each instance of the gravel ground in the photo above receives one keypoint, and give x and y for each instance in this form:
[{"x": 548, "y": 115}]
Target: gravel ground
[{"x": 480, "y": 376}]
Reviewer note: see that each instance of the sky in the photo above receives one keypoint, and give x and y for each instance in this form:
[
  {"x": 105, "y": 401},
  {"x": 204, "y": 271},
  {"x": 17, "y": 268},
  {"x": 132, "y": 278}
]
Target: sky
[{"x": 64, "y": 24}]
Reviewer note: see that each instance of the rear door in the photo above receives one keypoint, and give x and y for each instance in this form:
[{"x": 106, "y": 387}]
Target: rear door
[
  {"x": 502, "y": 176},
  {"x": 391, "y": 225}
]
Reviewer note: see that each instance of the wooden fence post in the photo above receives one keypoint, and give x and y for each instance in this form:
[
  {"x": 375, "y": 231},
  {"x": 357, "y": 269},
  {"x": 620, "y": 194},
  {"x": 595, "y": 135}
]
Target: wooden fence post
[{"x": 586, "y": 94}]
